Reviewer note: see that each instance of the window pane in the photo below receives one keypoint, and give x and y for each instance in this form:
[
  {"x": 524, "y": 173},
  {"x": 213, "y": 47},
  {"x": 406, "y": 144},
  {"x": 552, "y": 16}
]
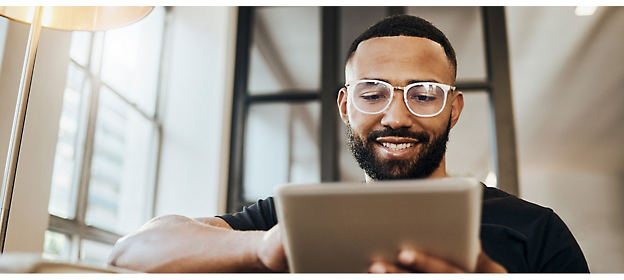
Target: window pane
[
  {"x": 56, "y": 246},
  {"x": 131, "y": 59},
  {"x": 80, "y": 47},
  {"x": 70, "y": 144},
  {"x": 285, "y": 53},
  {"x": 94, "y": 252},
  {"x": 281, "y": 146},
  {"x": 469, "y": 150},
  {"x": 463, "y": 26},
  {"x": 119, "y": 187}
]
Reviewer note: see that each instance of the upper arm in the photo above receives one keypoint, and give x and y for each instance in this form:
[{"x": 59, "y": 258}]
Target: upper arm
[{"x": 214, "y": 221}]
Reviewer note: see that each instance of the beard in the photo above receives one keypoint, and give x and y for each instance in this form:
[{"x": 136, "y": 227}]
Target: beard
[{"x": 423, "y": 165}]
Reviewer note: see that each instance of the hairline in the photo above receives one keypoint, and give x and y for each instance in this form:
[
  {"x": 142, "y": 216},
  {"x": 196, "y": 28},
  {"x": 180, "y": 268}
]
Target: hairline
[{"x": 448, "y": 59}]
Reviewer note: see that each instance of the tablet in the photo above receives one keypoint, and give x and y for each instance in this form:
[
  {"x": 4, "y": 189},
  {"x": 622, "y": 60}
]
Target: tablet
[{"x": 343, "y": 227}]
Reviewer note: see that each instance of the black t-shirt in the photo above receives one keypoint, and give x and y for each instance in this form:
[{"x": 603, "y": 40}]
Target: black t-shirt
[{"x": 519, "y": 235}]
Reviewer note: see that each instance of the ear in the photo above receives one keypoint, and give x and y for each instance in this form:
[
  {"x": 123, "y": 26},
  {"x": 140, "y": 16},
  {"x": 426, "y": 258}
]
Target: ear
[
  {"x": 457, "y": 106},
  {"x": 342, "y": 104}
]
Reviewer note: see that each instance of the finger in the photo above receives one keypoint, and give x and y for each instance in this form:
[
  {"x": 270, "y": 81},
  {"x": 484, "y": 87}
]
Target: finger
[
  {"x": 485, "y": 264},
  {"x": 424, "y": 263},
  {"x": 383, "y": 267}
]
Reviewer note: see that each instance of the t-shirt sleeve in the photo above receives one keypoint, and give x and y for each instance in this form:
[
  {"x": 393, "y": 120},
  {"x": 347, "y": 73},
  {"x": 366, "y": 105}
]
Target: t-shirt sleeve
[
  {"x": 258, "y": 216},
  {"x": 559, "y": 251}
]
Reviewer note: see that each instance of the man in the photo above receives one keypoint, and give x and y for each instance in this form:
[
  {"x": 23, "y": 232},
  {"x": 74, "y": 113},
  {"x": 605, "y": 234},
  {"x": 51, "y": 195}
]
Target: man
[{"x": 399, "y": 104}]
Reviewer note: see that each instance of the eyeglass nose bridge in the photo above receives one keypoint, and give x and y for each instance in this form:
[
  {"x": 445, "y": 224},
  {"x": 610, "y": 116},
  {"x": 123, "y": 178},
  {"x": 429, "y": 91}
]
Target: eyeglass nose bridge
[{"x": 399, "y": 88}]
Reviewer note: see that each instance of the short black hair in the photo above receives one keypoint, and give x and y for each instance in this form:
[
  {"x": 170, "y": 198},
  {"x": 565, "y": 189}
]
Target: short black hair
[{"x": 406, "y": 25}]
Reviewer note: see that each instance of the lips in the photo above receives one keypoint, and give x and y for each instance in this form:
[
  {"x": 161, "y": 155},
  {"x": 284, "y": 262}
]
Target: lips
[{"x": 393, "y": 147}]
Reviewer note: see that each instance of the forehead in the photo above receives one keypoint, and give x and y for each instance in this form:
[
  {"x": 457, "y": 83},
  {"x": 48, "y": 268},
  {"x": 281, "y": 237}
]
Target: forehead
[{"x": 400, "y": 59}]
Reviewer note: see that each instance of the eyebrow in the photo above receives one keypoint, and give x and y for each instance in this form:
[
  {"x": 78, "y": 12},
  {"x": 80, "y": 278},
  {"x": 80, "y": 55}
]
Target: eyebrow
[
  {"x": 422, "y": 81},
  {"x": 408, "y": 82}
]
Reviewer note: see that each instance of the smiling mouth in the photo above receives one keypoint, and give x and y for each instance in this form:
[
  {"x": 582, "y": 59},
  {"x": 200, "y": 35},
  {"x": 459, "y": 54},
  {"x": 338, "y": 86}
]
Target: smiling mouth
[
  {"x": 396, "y": 147},
  {"x": 394, "y": 143}
]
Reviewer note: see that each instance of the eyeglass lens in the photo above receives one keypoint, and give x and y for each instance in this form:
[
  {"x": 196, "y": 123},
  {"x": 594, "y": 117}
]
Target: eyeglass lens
[{"x": 422, "y": 99}]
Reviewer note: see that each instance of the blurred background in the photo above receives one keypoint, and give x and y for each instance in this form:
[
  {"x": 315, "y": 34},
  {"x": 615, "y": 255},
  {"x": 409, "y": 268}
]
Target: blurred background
[{"x": 199, "y": 111}]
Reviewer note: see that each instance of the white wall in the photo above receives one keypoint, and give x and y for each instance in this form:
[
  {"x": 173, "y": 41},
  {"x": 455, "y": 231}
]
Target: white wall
[
  {"x": 196, "y": 111},
  {"x": 29, "y": 208}
]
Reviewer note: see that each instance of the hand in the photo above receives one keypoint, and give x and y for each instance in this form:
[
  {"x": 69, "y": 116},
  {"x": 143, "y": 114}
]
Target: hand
[
  {"x": 271, "y": 251},
  {"x": 412, "y": 261}
]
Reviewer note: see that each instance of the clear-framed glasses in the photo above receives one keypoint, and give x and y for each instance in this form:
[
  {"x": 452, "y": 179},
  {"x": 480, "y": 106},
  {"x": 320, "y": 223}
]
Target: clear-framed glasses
[{"x": 423, "y": 99}]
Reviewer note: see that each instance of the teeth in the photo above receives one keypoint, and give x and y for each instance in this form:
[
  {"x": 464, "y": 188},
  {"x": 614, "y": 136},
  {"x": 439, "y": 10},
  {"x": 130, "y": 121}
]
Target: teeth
[{"x": 397, "y": 147}]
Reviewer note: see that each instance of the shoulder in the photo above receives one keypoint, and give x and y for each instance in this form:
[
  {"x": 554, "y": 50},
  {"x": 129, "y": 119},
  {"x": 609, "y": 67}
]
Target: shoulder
[{"x": 506, "y": 209}]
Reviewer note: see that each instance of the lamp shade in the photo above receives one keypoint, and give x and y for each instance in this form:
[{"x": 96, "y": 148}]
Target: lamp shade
[{"x": 79, "y": 18}]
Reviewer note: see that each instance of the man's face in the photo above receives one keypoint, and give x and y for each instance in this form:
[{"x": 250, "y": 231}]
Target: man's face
[{"x": 395, "y": 144}]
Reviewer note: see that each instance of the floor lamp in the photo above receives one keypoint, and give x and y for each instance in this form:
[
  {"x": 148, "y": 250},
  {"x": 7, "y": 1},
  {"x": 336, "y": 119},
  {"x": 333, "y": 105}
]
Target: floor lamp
[{"x": 60, "y": 18}]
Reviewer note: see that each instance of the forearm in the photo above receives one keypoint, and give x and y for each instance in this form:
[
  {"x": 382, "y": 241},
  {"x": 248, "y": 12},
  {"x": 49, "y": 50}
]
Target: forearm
[{"x": 180, "y": 244}]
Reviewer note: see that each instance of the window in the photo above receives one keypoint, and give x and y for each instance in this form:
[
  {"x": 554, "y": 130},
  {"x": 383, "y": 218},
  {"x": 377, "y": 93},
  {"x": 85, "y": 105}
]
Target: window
[
  {"x": 104, "y": 168},
  {"x": 284, "y": 95},
  {"x": 280, "y": 67}
]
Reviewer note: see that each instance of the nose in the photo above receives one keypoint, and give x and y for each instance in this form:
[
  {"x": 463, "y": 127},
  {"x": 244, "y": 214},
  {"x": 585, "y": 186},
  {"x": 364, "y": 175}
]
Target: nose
[{"x": 397, "y": 115}]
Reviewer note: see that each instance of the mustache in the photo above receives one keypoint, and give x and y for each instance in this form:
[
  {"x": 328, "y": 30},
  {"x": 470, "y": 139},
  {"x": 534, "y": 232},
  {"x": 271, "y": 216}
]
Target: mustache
[{"x": 421, "y": 136}]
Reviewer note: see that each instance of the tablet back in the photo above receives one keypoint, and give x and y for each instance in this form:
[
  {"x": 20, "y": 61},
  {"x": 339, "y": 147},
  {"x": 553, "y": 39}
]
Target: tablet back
[{"x": 343, "y": 227}]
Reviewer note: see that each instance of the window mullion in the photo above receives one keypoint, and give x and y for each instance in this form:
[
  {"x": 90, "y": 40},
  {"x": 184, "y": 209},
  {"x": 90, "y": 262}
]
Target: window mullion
[
  {"x": 285, "y": 97},
  {"x": 165, "y": 53},
  {"x": 83, "y": 190},
  {"x": 100, "y": 235},
  {"x": 74, "y": 254},
  {"x": 65, "y": 226},
  {"x": 239, "y": 108},
  {"x": 133, "y": 105},
  {"x": 330, "y": 86},
  {"x": 83, "y": 68}
]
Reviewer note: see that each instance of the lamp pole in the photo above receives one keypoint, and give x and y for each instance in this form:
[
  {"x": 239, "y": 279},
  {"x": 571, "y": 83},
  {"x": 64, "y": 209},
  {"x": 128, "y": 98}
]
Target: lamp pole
[{"x": 10, "y": 170}]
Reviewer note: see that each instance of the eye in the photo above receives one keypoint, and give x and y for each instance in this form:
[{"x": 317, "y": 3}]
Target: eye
[
  {"x": 372, "y": 95},
  {"x": 424, "y": 94},
  {"x": 424, "y": 98}
]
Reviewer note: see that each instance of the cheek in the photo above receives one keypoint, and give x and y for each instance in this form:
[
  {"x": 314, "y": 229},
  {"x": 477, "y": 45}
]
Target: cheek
[
  {"x": 437, "y": 125},
  {"x": 362, "y": 123}
]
